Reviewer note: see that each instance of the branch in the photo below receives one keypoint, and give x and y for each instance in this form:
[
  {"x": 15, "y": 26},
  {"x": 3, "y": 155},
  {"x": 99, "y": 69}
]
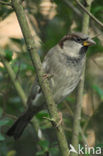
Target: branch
[
  {"x": 13, "y": 78},
  {"x": 90, "y": 14},
  {"x": 81, "y": 130},
  {"x": 77, "y": 117},
  {"x": 39, "y": 70}
]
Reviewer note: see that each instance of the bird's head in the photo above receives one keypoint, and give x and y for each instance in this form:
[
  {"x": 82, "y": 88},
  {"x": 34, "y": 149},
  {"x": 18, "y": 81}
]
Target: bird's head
[{"x": 75, "y": 44}]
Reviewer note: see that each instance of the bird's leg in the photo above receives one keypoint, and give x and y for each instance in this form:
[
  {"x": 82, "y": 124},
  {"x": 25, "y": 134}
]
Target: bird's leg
[{"x": 61, "y": 119}]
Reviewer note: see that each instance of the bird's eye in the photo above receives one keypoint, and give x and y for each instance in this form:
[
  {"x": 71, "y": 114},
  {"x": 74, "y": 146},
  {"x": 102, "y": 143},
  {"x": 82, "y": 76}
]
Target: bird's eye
[{"x": 78, "y": 40}]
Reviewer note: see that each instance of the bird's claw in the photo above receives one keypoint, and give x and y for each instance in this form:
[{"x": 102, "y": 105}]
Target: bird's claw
[
  {"x": 61, "y": 119},
  {"x": 47, "y": 76}
]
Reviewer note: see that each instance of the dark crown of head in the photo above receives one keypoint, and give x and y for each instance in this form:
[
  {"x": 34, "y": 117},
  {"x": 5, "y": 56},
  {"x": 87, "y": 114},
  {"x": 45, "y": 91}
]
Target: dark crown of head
[{"x": 77, "y": 37}]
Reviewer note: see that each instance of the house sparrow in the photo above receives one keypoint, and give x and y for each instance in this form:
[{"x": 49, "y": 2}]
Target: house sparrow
[{"x": 64, "y": 62}]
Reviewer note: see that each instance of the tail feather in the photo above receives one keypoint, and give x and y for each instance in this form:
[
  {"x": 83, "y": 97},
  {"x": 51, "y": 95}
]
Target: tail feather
[{"x": 18, "y": 127}]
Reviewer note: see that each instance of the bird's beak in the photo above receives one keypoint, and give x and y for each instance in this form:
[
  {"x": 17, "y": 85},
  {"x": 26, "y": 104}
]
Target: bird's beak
[{"x": 89, "y": 42}]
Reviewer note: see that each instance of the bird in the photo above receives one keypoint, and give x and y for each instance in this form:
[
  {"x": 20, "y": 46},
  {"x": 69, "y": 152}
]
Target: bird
[{"x": 63, "y": 65}]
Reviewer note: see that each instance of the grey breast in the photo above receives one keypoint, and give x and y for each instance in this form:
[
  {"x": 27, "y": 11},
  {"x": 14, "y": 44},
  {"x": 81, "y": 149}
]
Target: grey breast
[{"x": 66, "y": 75}]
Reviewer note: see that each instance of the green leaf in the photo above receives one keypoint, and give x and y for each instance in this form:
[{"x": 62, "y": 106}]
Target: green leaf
[
  {"x": 11, "y": 153},
  {"x": 5, "y": 12},
  {"x": 9, "y": 54},
  {"x": 99, "y": 91},
  {"x": 18, "y": 41},
  {"x": 2, "y": 138},
  {"x": 54, "y": 151},
  {"x": 1, "y": 111},
  {"x": 44, "y": 145},
  {"x": 4, "y": 122},
  {"x": 97, "y": 9},
  {"x": 42, "y": 114},
  {"x": 40, "y": 153}
]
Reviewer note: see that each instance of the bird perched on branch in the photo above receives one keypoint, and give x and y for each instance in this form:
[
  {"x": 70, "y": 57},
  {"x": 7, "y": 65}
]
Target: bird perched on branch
[{"x": 64, "y": 64}]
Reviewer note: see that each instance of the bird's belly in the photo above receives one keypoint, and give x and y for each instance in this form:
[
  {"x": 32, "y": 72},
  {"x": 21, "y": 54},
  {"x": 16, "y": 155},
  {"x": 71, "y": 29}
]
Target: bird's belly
[
  {"x": 62, "y": 86},
  {"x": 70, "y": 88}
]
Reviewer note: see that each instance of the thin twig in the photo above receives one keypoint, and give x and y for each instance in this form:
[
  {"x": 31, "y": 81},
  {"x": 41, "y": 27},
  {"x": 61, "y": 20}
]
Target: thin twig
[
  {"x": 90, "y": 14},
  {"x": 77, "y": 11},
  {"x": 81, "y": 130},
  {"x": 69, "y": 3},
  {"x": 100, "y": 67},
  {"x": 10, "y": 116},
  {"x": 83, "y": 137},
  {"x": 30, "y": 43},
  {"x": 97, "y": 31},
  {"x": 77, "y": 116}
]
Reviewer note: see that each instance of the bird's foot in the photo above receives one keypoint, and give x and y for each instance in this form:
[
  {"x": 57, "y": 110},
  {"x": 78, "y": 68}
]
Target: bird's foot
[
  {"x": 61, "y": 119},
  {"x": 47, "y": 76}
]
